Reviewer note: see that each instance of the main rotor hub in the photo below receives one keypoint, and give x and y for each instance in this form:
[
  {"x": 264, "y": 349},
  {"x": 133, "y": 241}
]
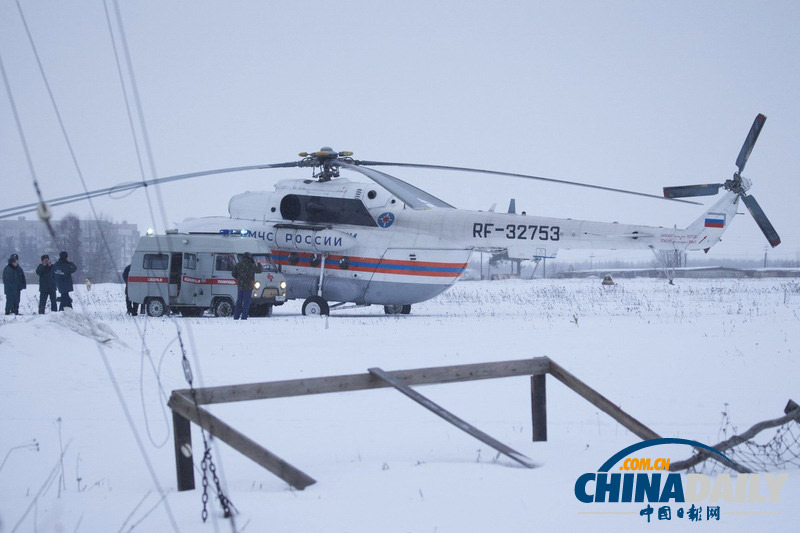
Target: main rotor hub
[
  {"x": 325, "y": 162},
  {"x": 738, "y": 184}
]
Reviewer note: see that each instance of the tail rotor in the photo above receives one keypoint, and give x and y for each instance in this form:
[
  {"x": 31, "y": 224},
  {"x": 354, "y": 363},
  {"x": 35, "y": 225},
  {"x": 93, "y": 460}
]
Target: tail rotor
[{"x": 738, "y": 184}]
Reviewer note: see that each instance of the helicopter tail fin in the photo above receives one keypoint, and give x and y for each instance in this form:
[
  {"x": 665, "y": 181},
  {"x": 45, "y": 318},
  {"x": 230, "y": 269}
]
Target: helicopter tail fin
[{"x": 709, "y": 227}]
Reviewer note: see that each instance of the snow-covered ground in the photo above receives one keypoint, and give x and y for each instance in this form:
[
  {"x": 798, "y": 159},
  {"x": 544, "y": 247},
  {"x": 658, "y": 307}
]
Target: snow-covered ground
[{"x": 672, "y": 356}]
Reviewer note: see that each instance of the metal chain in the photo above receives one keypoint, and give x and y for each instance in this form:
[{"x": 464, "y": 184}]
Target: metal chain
[{"x": 207, "y": 463}]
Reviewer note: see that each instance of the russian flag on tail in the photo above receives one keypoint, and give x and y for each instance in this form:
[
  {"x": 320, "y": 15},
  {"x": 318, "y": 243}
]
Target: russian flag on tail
[{"x": 715, "y": 220}]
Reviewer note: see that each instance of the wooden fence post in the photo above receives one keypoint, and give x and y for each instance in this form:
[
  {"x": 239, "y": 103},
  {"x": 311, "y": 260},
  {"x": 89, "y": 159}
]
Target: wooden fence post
[
  {"x": 239, "y": 442},
  {"x": 539, "y": 407},
  {"x": 184, "y": 465}
]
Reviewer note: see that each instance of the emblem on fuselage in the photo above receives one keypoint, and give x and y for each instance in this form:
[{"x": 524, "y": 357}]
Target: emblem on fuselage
[{"x": 385, "y": 219}]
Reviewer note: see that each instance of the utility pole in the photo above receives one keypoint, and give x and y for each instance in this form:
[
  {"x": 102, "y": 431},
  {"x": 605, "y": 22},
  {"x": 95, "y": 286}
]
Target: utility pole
[
  {"x": 591, "y": 261},
  {"x": 765, "y": 256}
]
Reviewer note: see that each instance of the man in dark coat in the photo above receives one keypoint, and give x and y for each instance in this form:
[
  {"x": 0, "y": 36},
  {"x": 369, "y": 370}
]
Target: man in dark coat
[
  {"x": 62, "y": 275},
  {"x": 47, "y": 286},
  {"x": 245, "y": 273},
  {"x": 13, "y": 283},
  {"x": 132, "y": 308}
]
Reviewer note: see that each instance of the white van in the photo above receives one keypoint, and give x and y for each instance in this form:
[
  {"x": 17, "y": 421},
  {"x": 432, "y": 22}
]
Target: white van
[{"x": 191, "y": 273}]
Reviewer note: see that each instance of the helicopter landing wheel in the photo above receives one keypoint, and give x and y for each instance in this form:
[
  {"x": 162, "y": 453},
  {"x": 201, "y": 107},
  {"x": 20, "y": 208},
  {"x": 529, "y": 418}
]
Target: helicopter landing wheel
[
  {"x": 397, "y": 309},
  {"x": 315, "y": 306},
  {"x": 406, "y": 310}
]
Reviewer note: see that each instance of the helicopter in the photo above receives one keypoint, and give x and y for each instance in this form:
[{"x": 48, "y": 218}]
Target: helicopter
[{"x": 344, "y": 243}]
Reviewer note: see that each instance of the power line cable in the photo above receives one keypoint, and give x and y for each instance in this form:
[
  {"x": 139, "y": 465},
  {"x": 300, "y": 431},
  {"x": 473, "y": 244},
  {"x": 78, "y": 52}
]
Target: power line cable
[
  {"x": 134, "y": 137},
  {"x": 64, "y": 132},
  {"x": 223, "y": 500},
  {"x": 45, "y": 215},
  {"x": 96, "y": 218},
  {"x": 138, "y": 105}
]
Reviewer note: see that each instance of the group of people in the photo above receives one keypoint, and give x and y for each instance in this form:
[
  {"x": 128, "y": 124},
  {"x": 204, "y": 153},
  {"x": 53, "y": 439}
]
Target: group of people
[
  {"x": 58, "y": 276},
  {"x": 52, "y": 277}
]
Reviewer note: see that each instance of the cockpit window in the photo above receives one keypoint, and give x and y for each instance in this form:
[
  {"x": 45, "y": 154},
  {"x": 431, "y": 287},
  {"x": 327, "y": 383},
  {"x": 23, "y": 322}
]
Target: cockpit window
[{"x": 321, "y": 209}]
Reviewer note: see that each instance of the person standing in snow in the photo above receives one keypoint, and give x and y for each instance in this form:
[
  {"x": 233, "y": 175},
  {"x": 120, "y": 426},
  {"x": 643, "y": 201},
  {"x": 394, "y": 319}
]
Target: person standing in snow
[
  {"x": 132, "y": 308},
  {"x": 47, "y": 286},
  {"x": 245, "y": 274},
  {"x": 62, "y": 275},
  {"x": 13, "y": 283}
]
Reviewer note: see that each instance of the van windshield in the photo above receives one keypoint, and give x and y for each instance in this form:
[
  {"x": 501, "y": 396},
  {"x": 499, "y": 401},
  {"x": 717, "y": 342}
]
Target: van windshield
[{"x": 266, "y": 262}]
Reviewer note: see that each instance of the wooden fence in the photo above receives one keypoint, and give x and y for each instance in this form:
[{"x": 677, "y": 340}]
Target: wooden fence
[{"x": 186, "y": 409}]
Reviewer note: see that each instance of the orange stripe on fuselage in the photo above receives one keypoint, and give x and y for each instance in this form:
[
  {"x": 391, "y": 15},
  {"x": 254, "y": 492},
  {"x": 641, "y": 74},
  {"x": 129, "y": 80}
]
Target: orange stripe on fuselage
[{"x": 332, "y": 261}]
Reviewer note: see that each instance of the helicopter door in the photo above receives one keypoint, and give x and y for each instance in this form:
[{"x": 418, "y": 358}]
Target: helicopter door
[
  {"x": 222, "y": 278},
  {"x": 176, "y": 259},
  {"x": 190, "y": 281}
]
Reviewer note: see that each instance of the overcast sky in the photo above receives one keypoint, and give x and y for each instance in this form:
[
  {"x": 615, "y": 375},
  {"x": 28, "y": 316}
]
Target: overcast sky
[{"x": 635, "y": 95}]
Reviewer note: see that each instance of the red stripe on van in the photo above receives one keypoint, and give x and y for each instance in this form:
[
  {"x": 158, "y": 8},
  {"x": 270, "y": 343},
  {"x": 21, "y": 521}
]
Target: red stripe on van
[{"x": 147, "y": 279}]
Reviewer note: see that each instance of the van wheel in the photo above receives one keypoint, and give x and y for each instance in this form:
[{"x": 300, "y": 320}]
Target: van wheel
[
  {"x": 315, "y": 306},
  {"x": 223, "y": 308},
  {"x": 155, "y": 307}
]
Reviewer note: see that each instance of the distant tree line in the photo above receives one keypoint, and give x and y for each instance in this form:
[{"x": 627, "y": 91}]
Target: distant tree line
[
  {"x": 99, "y": 248},
  {"x": 92, "y": 246}
]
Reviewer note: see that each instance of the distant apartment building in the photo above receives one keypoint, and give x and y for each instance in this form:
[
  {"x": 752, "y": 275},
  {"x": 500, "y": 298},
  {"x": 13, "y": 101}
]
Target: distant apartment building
[{"x": 30, "y": 239}]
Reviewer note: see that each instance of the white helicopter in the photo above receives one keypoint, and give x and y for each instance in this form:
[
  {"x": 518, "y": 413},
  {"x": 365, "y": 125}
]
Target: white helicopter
[{"x": 389, "y": 243}]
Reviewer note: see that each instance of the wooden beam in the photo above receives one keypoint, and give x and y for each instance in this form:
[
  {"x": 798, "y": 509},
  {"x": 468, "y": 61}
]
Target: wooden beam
[
  {"x": 184, "y": 406},
  {"x": 450, "y": 417},
  {"x": 539, "y": 407},
  {"x": 602, "y": 403},
  {"x": 355, "y": 382},
  {"x": 605, "y": 405},
  {"x": 184, "y": 467}
]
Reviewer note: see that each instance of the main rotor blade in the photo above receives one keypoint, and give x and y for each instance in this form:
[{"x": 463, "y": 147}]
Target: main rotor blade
[
  {"x": 750, "y": 141},
  {"x": 412, "y": 196},
  {"x": 515, "y": 175},
  {"x": 762, "y": 220},
  {"x": 683, "y": 191},
  {"x": 122, "y": 187}
]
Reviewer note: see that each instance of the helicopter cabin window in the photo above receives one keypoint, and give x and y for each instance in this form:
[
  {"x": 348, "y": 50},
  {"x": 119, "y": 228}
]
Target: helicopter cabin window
[
  {"x": 189, "y": 261},
  {"x": 266, "y": 262},
  {"x": 155, "y": 261},
  {"x": 320, "y": 209},
  {"x": 224, "y": 262}
]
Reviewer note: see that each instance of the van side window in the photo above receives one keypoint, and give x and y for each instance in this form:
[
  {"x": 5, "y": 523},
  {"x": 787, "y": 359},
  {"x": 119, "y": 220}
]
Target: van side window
[
  {"x": 189, "y": 261},
  {"x": 155, "y": 261},
  {"x": 224, "y": 262}
]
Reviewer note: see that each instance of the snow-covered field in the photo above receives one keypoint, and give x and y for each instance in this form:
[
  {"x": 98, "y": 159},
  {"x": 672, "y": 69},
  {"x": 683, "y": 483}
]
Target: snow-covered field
[{"x": 672, "y": 356}]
